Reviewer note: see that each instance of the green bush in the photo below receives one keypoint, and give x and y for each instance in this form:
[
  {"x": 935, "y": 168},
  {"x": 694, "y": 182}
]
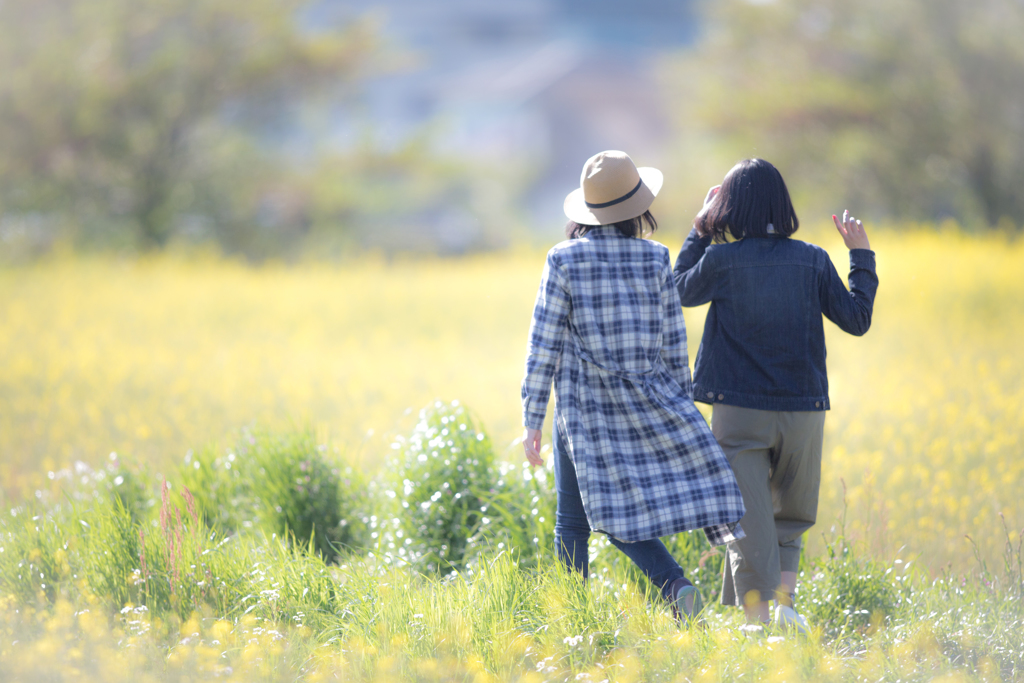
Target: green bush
[
  {"x": 519, "y": 517},
  {"x": 118, "y": 479},
  {"x": 131, "y": 487},
  {"x": 844, "y": 592},
  {"x": 169, "y": 564},
  {"x": 34, "y": 557},
  {"x": 284, "y": 484},
  {"x": 443, "y": 480}
]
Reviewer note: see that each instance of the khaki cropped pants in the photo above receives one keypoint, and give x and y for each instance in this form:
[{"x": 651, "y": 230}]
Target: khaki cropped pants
[{"x": 776, "y": 457}]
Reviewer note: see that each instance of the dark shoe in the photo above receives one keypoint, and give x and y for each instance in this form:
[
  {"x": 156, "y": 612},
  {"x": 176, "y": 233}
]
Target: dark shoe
[{"x": 687, "y": 603}]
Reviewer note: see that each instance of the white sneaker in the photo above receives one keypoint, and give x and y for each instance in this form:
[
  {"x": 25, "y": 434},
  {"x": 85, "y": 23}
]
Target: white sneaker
[{"x": 789, "y": 619}]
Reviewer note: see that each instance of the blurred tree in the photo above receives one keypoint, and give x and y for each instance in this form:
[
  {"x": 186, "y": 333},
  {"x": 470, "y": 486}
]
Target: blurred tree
[
  {"x": 909, "y": 108},
  {"x": 135, "y": 111},
  {"x": 412, "y": 198}
]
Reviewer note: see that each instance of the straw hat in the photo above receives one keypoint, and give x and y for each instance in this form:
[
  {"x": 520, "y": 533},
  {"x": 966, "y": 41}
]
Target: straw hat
[{"x": 612, "y": 189}]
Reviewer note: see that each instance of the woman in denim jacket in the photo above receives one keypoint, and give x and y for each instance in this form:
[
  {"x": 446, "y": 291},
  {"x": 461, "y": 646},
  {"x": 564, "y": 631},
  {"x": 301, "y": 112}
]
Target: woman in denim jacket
[{"x": 761, "y": 363}]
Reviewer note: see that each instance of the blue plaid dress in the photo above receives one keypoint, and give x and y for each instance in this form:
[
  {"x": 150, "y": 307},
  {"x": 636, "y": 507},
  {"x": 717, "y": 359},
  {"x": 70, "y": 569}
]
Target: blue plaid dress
[{"x": 608, "y": 329}]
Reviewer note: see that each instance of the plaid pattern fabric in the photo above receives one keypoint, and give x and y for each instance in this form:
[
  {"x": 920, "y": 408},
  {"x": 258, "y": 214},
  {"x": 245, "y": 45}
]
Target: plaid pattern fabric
[{"x": 608, "y": 329}]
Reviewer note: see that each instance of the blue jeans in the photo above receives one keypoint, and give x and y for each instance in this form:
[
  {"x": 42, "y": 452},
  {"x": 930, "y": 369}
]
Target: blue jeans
[{"x": 572, "y": 531}]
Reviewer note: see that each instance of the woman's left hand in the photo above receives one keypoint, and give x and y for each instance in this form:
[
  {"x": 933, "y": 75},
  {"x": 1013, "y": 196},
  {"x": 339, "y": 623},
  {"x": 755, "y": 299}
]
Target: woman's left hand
[
  {"x": 711, "y": 194},
  {"x": 852, "y": 231},
  {"x": 531, "y": 444}
]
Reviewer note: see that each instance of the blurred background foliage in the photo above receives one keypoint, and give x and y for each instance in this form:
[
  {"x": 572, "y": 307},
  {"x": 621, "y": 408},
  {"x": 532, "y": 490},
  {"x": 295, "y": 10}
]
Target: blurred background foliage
[
  {"x": 133, "y": 121},
  {"x": 259, "y": 127},
  {"x": 911, "y": 109},
  {"x": 132, "y": 124}
]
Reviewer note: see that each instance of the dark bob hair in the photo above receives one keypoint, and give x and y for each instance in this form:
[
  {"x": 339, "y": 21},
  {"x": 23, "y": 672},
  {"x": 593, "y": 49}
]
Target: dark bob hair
[
  {"x": 752, "y": 202},
  {"x": 634, "y": 227}
]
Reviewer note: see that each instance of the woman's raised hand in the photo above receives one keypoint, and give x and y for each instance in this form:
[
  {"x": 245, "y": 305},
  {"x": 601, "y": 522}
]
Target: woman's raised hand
[
  {"x": 852, "y": 231},
  {"x": 707, "y": 199},
  {"x": 531, "y": 444},
  {"x": 711, "y": 194}
]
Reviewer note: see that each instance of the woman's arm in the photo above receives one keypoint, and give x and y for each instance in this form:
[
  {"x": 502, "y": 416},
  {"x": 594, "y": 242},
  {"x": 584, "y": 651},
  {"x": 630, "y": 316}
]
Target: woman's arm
[
  {"x": 673, "y": 335},
  {"x": 547, "y": 334},
  {"x": 692, "y": 277},
  {"x": 851, "y": 310},
  {"x": 692, "y": 274}
]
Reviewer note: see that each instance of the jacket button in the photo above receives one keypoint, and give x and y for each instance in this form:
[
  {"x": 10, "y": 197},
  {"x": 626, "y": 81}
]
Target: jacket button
[
  {"x": 721, "y": 397},
  {"x": 711, "y": 394},
  {"x": 817, "y": 404}
]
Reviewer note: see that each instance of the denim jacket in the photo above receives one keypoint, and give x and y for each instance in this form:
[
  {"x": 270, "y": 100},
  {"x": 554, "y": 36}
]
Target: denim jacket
[{"x": 764, "y": 340}]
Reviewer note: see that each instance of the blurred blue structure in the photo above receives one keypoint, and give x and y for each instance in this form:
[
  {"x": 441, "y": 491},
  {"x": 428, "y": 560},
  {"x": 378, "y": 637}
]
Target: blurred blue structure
[{"x": 535, "y": 84}]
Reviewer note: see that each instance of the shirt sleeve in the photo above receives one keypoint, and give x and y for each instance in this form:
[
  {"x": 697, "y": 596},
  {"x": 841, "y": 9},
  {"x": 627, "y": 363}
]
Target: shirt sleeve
[
  {"x": 693, "y": 273},
  {"x": 850, "y": 310},
  {"x": 547, "y": 334},
  {"x": 673, "y": 336}
]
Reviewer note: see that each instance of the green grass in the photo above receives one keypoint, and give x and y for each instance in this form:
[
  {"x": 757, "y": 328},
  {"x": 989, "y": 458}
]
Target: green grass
[
  {"x": 205, "y": 576},
  {"x": 284, "y": 484}
]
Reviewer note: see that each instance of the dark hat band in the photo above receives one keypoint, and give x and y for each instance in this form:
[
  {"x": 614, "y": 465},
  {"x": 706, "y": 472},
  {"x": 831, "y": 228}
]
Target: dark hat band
[{"x": 616, "y": 201}]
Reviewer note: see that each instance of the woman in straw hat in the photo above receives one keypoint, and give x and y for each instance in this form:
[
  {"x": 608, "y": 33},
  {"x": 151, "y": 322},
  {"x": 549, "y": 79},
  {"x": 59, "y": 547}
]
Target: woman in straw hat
[{"x": 634, "y": 459}]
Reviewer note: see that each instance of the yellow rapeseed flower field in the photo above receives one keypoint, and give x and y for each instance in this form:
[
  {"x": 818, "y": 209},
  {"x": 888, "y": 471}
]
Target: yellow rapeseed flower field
[{"x": 151, "y": 357}]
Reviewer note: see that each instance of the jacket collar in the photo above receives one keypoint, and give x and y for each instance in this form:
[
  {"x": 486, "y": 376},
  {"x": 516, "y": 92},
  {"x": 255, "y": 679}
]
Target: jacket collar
[{"x": 603, "y": 232}]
